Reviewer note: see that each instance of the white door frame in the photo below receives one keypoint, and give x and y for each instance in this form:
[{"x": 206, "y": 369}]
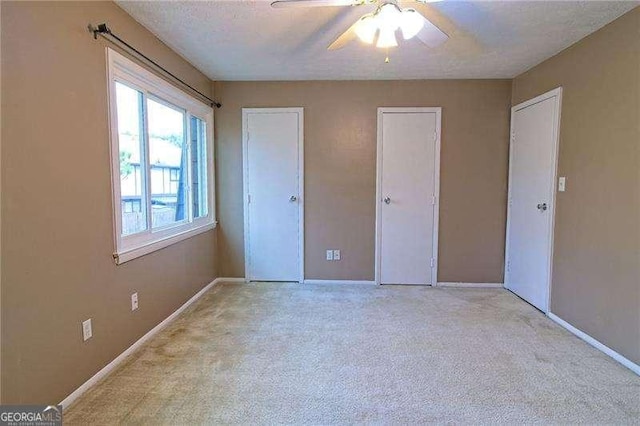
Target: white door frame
[
  {"x": 436, "y": 211},
  {"x": 555, "y": 93},
  {"x": 245, "y": 148}
]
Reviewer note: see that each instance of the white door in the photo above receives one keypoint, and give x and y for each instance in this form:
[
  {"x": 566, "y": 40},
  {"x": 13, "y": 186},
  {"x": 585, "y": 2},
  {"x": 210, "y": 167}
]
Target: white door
[
  {"x": 532, "y": 175},
  {"x": 407, "y": 195},
  {"x": 273, "y": 189}
]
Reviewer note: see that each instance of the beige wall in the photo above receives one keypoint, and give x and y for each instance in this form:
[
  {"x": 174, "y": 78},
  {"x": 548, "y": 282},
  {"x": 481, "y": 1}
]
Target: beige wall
[
  {"x": 56, "y": 227},
  {"x": 340, "y": 151},
  {"x": 596, "y": 275}
]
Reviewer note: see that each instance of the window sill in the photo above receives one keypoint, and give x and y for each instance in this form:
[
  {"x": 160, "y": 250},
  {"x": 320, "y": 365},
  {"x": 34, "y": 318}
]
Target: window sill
[{"x": 133, "y": 253}]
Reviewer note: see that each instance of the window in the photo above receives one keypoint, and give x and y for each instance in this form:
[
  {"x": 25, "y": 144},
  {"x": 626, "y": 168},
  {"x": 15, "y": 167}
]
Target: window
[{"x": 162, "y": 158}]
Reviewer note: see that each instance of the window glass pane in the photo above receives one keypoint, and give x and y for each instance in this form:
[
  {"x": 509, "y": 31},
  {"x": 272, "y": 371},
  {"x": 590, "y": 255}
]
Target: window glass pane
[
  {"x": 167, "y": 158},
  {"x": 199, "y": 167},
  {"x": 131, "y": 143}
]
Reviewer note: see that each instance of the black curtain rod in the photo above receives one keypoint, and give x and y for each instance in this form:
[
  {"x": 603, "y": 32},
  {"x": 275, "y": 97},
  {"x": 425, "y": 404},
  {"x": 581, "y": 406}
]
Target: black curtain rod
[{"x": 104, "y": 31}]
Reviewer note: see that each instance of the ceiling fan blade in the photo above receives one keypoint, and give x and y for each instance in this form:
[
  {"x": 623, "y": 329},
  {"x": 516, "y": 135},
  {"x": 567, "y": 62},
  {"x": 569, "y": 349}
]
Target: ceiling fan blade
[
  {"x": 431, "y": 35},
  {"x": 313, "y": 3},
  {"x": 344, "y": 38}
]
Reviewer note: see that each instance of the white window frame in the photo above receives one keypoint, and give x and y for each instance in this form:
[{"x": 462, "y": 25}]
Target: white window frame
[{"x": 128, "y": 247}]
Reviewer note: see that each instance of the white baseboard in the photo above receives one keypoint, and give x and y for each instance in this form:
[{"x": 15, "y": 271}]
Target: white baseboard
[
  {"x": 596, "y": 344},
  {"x": 338, "y": 282},
  {"x": 113, "y": 364},
  {"x": 231, "y": 280},
  {"x": 470, "y": 285}
]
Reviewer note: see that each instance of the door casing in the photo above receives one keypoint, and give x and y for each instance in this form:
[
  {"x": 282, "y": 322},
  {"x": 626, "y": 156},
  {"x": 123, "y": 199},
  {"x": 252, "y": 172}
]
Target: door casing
[
  {"x": 436, "y": 215},
  {"x": 557, "y": 93},
  {"x": 245, "y": 165}
]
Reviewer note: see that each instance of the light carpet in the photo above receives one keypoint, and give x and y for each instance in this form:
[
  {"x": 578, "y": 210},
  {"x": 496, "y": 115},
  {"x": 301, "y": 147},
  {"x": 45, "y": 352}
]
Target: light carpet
[{"x": 328, "y": 354}]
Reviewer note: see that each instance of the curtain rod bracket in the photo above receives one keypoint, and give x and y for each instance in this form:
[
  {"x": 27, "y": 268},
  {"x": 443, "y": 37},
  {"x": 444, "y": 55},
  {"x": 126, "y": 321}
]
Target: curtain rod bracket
[
  {"x": 101, "y": 29},
  {"x": 104, "y": 31}
]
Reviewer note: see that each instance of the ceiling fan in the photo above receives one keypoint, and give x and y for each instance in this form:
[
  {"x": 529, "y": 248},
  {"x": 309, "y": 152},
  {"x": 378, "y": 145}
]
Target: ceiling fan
[{"x": 380, "y": 26}]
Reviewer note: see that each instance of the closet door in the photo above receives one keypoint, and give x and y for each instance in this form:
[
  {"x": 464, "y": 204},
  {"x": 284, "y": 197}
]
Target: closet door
[
  {"x": 532, "y": 171},
  {"x": 273, "y": 170},
  {"x": 408, "y": 159}
]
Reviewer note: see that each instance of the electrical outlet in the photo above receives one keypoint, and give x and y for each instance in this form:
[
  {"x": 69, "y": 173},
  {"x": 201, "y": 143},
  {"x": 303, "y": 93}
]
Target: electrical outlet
[
  {"x": 336, "y": 255},
  {"x": 134, "y": 301},
  {"x": 329, "y": 254},
  {"x": 87, "y": 332}
]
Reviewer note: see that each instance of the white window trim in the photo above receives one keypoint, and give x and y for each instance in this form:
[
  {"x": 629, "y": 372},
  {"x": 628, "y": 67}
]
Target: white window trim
[{"x": 120, "y": 68}]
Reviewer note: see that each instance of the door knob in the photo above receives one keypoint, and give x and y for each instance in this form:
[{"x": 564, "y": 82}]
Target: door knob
[
  {"x": 542, "y": 206},
  {"x": 387, "y": 200},
  {"x": 293, "y": 198}
]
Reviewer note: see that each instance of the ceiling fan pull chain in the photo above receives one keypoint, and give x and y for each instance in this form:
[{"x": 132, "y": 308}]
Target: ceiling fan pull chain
[{"x": 386, "y": 60}]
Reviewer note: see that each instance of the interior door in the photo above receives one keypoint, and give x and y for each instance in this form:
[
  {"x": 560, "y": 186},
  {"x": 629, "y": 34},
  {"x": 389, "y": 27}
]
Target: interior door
[
  {"x": 534, "y": 133},
  {"x": 408, "y": 169},
  {"x": 273, "y": 169}
]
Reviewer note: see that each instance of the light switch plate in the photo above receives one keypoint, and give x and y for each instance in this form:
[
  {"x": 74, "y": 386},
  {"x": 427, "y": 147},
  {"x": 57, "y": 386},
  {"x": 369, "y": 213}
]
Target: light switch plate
[
  {"x": 336, "y": 255},
  {"x": 329, "y": 254},
  {"x": 562, "y": 183}
]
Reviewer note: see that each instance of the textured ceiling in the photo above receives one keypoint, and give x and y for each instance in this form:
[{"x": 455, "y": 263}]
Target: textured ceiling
[{"x": 249, "y": 40}]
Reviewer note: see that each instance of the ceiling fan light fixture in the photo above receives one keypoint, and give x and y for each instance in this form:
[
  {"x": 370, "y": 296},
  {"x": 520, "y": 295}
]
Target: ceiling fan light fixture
[
  {"x": 379, "y": 27},
  {"x": 387, "y": 38},
  {"x": 367, "y": 28},
  {"x": 411, "y": 23},
  {"x": 389, "y": 16}
]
